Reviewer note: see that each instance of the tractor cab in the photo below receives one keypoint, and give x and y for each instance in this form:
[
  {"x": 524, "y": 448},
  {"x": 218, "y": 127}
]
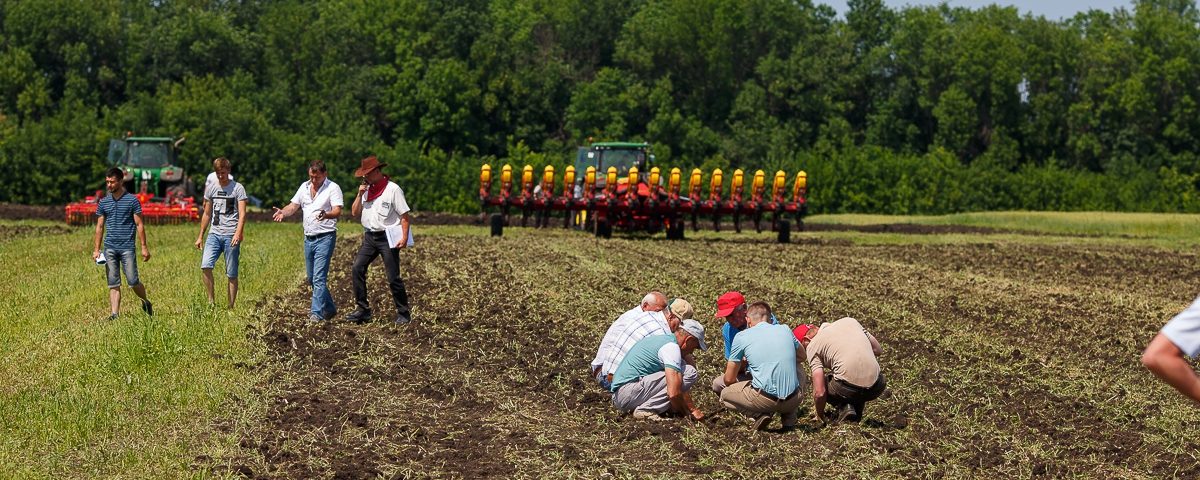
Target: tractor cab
[
  {"x": 621, "y": 155},
  {"x": 149, "y": 163}
]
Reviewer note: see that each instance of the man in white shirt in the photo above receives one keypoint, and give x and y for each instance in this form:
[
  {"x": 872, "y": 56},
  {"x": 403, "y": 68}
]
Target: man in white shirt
[
  {"x": 320, "y": 201},
  {"x": 380, "y": 205},
  {"x": 652, "y": 302}
]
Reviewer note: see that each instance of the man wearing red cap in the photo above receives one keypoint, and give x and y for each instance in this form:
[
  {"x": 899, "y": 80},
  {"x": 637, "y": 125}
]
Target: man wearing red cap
[
  {"x": 381, "y": 205},
  {"x": 845, "y": 371},
  {"x": 732, "y": 307}
]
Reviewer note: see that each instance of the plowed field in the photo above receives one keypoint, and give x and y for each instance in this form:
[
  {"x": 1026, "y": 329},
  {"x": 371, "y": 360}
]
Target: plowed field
[{"x": 1004, "y": 359}]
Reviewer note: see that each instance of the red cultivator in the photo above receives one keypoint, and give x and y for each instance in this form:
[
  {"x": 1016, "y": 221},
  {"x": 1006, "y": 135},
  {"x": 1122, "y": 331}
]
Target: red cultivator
[
  {"x": 631, "y": 200},
  {"x": 155, "y": 211}
]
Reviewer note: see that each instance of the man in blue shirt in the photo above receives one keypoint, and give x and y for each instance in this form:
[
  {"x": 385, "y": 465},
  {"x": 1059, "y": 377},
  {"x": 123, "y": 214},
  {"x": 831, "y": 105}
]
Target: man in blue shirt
[
  {"x": 118, "y": 218},
  {"x": 654, "y": 378},
  {"x": 768, "y": 352},
  {"x": 732, "y": 307}
]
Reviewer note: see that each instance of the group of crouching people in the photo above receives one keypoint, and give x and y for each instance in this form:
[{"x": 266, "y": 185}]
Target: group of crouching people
[{"x": 646, "y": 360}]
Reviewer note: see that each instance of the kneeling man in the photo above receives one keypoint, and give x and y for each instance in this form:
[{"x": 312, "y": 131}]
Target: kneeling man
[
  {"x": 845, "y": 371},
  {"x": 768, "y": 352},
  {"x": 653, "y": 377}
]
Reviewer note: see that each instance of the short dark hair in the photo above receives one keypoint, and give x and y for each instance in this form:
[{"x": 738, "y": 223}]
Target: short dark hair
[
  {"x": 318, "y": 165},
  {"x": 114, "y": 172},
  {"x": 759, "y": 312}
]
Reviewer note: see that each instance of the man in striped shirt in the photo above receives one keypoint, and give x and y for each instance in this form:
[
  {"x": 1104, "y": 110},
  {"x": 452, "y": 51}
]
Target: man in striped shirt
[
  {"x": 118, "y": 218},
  {"x": 642, "y": 325}
]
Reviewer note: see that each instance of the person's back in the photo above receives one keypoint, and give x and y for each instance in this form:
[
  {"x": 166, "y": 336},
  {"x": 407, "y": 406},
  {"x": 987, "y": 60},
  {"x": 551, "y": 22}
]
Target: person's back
[
  {"x": 647, "y": 357},
  {"x": 770, "y": 352},
  {"x": 640, "y": 326},
  {"x": 842, "y": 348}
]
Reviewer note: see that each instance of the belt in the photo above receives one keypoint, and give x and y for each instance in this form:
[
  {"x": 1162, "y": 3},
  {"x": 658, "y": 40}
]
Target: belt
[
  {"x": 371, "y": 232},
  {"x": 319, "y": 235},
  {"x": 772, "y": 397}
]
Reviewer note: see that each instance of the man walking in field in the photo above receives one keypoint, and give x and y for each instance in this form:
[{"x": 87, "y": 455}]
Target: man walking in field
[
  {"x": 654, "y": 378},
  {"x": 118, "y": 218},
  {"x": 845, "y": 371},
  {"x": 1164, "y": 356},
  {"x": 380, "y": 205},
  {"x": 768, "y": 352},
  {"x": 320, "y": 201},
  {"x": 652, "y": 302},
  {"x": 225, "y": 206}
]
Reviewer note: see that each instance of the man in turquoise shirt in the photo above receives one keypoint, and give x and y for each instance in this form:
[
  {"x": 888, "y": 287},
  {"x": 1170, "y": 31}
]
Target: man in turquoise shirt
[
  {"x": 654, "y": 378},
  {"x": 768, "y": 353}
]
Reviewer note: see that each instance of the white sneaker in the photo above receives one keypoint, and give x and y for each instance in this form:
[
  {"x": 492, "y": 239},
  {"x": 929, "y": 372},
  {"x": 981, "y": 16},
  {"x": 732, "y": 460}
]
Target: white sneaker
[{"x": 648, "y": 415}]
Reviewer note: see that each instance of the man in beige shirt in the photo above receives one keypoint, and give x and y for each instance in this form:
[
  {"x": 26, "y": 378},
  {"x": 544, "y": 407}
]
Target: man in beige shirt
[{"x": 845, "y": 372}]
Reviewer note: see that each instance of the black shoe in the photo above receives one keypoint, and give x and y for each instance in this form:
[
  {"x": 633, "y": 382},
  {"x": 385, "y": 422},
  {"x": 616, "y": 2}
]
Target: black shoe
[
  {"x": 359, "y": 316},
  {"x": 846, "y": 414},
  {"x": 112, "y": 317},
  {"x": 762, "y": 422},
  {"x": 148, "y": 307},
  {"x": 403, "y": 319}
]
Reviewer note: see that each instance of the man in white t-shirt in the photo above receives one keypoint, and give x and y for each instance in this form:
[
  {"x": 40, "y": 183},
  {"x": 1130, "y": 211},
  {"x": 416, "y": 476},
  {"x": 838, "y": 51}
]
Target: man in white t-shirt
[
  {"x": 320, "y": 200},
  {"x": 652, "y": 302},
  {"x": 380, "y": 205},
  {"x": 1165, "y": 354}
]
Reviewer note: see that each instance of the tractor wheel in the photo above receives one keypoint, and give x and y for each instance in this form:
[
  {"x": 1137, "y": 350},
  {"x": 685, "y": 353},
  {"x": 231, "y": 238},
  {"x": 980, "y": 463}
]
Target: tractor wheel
[
  {"x": 785, "y": 231},
  {"x": 678, "y": 229},
  {"x": 497, "y": 221}
]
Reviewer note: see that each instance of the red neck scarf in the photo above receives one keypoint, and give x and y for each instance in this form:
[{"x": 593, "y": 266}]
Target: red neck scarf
[{"x": 376, "y": 189}]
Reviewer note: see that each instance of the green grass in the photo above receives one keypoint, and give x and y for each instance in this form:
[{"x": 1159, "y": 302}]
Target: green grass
[
  {"x": 1180, "y": 228},
  {"x": 139, "y": 397},
  {"x": 84, "y": 396}
]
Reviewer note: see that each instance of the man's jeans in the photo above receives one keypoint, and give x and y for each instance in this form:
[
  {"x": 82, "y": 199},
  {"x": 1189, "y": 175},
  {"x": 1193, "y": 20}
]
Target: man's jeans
[
  {"x": 318, "y": 250},
  {"x": 118, "y": 260}
]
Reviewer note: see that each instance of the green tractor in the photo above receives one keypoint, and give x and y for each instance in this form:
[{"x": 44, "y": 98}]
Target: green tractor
[{"x": 152, "y": 173}]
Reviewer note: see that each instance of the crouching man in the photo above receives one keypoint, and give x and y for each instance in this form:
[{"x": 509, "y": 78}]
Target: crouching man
[
  {"x": 768, "y": 352},
  {"x": 653, "y": 378},
  {"x": 845, "y": 371}
]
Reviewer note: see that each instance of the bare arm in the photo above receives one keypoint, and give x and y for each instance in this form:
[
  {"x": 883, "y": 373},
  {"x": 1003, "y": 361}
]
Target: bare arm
[
  {"x": 403, "y": 231},
  {"x": 141, "y": 231},
  {"x": 1167, "y": 362},
  {"x": 356, "y": 207},
  {"x": 335, "y": 212},
  {"x": 287, "y": 211},
  {"x": 99, "y": 235},
  {"x": 732, "y": 369},
  {"x": 237, "y": 235},
  {"x": 875, "y": 348},
  {"x": 818, "y": 381},
  {"x": 675, "y": 391},
  {"x": 204, "y": 218}
]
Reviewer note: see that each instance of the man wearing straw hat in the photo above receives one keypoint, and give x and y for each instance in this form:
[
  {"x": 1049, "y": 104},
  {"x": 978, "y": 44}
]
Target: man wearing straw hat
[{"x": 380, "y": 205}]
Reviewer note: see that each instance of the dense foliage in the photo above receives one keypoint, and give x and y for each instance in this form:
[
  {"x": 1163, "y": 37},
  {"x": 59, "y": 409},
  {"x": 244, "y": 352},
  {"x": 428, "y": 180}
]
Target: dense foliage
[{"x": 916, "y": 110}]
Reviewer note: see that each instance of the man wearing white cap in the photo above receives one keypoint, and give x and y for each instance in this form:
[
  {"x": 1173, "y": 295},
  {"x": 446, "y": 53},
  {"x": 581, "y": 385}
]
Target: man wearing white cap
[{"x": 653, "y": 377}]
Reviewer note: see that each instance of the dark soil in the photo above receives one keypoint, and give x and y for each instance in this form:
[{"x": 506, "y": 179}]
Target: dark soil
[
  {"x": 13, "y": 211},
  {"x": 1003, "y": 360},
  {"x": 11, "y": 232}
]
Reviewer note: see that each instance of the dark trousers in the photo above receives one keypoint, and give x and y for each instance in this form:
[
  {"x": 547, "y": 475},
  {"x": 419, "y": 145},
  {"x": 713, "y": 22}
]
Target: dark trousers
[
  {"x": 839, "y": 392},
  {"x": 375, "y": 244}
]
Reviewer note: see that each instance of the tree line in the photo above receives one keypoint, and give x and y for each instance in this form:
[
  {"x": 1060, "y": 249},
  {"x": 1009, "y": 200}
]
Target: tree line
[{"x": 919, "y": 110}]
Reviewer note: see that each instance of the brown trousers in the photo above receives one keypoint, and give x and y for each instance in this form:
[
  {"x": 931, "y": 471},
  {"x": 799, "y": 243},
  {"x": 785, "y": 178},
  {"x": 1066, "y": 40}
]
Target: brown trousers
[{"x": 744, "y": 398}]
